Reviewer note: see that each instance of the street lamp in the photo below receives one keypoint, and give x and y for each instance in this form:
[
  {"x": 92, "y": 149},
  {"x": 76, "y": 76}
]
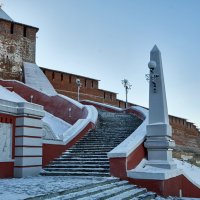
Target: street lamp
[
  {"x": 79, "y": 84},
  {"x": 127, "y": 87}
]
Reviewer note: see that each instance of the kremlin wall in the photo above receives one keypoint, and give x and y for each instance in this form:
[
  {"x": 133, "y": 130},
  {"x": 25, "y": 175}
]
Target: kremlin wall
[
  {"x": 18, "y": 45},
  {"x": 184, "y": 132}
]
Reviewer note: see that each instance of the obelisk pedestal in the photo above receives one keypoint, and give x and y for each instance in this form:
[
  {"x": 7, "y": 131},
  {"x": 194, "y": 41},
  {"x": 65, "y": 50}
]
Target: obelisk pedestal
[{"x": 159, "y": 144}]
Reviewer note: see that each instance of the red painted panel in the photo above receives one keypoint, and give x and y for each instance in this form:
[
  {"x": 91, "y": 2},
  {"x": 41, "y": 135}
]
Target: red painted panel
[
  {"x": 136, "y": 156},
  {"x": 170, "y": 187},
  {"x": 51, "y": 151},
  {"x": 6, "y": 169},
  {"x": 118, "y": 167},
  {"x": 189, "y": 189}
]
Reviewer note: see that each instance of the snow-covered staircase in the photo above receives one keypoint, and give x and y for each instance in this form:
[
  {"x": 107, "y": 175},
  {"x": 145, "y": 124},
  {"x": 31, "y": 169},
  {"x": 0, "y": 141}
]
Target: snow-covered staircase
[
  {"x": 111, "y": 189},
  {"x": 88, "y": 157}
]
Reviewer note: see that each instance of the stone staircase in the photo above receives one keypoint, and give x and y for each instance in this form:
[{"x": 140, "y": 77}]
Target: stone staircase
[
  {"x": 110, "y": 189},
  {"x": 88, "y": 157}
]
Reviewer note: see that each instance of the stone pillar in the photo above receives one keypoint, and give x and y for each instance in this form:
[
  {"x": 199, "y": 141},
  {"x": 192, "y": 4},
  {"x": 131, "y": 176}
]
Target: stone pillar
[
  {"x": 159, "y": 141},
  {"x": 28, "y": 140}
]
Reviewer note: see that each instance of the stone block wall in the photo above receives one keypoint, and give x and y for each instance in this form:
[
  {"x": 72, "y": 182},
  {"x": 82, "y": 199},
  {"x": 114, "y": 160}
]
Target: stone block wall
[{"x": 17, "y": 44}]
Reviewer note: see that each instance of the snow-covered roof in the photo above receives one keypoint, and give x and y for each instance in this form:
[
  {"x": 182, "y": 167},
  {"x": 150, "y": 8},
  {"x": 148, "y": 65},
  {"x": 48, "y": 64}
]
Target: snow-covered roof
[
  {"x": 35, "y": 78},
  {"x": 3, "y": 15}
]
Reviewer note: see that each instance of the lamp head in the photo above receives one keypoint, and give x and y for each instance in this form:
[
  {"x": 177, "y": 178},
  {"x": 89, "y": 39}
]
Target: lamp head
[
  {"x": 152, "y": 65},
  {"x": 78, "y": 81}
]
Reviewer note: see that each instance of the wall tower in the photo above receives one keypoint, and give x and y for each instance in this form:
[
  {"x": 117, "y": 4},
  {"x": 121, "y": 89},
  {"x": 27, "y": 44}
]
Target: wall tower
[{"x": 17, "y": 45}]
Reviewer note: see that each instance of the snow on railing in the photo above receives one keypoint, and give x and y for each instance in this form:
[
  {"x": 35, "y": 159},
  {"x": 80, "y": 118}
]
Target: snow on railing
[
  {"x": 77, "y": 128},
  {"x": 92, "y": 114},
  {"x": 76, "y": 103},
  {"x": 104, "y": 105}
]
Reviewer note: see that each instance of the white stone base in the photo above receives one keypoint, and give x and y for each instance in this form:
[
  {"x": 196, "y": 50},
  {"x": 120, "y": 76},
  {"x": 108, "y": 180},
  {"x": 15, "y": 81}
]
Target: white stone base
[
  {"x": 147, "y": 172},
  {"x": 27, "y": 171},
  {"x": 162, "y": 164}
]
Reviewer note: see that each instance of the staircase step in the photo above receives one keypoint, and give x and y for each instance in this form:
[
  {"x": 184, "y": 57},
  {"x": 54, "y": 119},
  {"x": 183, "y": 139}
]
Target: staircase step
[
  {"x": 92, "y": 146},
  {"x": 78, "y": 166},
  {"x": 116, "y": 193},
  {"x": 53, "y": 173},
  {"x": 87, "y": 155},
  {"x": 79, "y": 152},
  {"x": 82, "y": 159},
  {"x": 99, "y": 150},
  {"x": 129, "y": 194},
  {"x": 77, "y": 162},
  {"x": 147, "y": 196},
  {"x": 80, "y": 169},
  {"x": 86, "y": 193}
]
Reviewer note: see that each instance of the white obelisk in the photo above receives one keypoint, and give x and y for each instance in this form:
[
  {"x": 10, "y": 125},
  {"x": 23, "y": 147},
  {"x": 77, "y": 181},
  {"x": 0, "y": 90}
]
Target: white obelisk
[{"x": 159, "y": 141}]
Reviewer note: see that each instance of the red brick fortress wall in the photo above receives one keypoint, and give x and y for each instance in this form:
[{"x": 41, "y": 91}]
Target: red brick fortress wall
[{"x": 65, "y": 83}]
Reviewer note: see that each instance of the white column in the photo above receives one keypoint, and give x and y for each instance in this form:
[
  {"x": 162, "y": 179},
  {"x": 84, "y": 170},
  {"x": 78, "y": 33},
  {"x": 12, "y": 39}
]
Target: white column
[
  {"x": 28, "y": 140},
  {"x": 158, "y": 142}
]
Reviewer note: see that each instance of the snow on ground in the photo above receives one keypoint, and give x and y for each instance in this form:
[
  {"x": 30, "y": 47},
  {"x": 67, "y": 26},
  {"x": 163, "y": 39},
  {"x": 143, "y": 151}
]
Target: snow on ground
[
  {"x": 17, "y": 189},
  {"x": 57, "y": 125},
  {"x": 35, "y": 78},
  {"x": 191, "y": 172}
]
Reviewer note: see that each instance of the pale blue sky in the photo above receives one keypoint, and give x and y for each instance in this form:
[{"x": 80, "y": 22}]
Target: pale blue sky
[{"x": 111, "y": 40}]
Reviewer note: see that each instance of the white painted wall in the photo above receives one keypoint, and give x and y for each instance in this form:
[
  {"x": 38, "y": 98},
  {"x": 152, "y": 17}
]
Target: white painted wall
[{"x": 5, "y": 142}]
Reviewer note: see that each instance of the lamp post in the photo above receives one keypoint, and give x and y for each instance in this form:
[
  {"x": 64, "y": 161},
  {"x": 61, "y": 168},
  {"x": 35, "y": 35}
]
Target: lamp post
[
  {"x": 127, "y": 87},
  {"x": 79, "y": 84}
]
